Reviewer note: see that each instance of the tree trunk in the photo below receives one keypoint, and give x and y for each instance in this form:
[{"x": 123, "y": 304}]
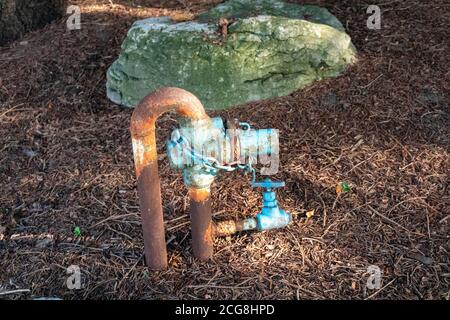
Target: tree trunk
[{"x": 18, "y": 17}]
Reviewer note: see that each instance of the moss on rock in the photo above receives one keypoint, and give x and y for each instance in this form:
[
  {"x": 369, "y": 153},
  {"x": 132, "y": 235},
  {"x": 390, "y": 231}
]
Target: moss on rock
[{"x": 271, "y": 49}]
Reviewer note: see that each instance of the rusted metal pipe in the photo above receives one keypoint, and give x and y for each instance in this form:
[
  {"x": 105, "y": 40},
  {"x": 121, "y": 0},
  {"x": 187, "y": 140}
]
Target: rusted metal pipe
[
  {"x": 230, "y": 227},
  {"x": 201, "y": 223},
  {"x": 145, "y": 158},
  {"x": 227, "y": 227}
]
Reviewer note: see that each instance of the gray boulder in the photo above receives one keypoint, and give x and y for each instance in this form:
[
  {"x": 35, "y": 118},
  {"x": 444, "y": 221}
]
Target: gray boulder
[{"x": 237, "y": 52}]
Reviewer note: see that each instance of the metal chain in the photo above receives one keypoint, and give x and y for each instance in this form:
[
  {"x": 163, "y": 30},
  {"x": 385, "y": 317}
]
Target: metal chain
[{"x": 212, "y": 164}]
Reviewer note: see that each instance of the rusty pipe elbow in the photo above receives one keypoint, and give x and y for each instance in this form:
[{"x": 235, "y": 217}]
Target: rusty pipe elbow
[
  {"x": 163, "y": 100},
  {"x": 148, "y": 111},
  {"x": 146, "y": 165}
]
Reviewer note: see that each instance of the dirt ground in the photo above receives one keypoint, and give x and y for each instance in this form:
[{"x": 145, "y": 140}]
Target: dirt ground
[{"x": 383, "y": 126}]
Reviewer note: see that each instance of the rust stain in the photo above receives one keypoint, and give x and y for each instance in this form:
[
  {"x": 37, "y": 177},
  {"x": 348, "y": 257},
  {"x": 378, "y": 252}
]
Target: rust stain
[
  {"x": 147, "y": 112},
  {"x": 164, "y": 100},
  {"x": 225, "y": 228},
  {"x": 199, "y": 195},
  {"x": 209, "y": 234}
]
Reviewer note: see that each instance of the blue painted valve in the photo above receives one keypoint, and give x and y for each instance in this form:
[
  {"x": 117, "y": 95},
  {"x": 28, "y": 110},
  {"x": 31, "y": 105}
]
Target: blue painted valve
[
  {"x": 203, "y": 148},
  {"x": 271, "y": 215}
]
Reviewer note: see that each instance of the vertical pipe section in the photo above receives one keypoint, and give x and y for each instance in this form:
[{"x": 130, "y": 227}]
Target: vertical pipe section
[
  {"x": 150, "y": 203},
  {"x": 202, "y": 228},
  {"x": 146, "y": 164}
]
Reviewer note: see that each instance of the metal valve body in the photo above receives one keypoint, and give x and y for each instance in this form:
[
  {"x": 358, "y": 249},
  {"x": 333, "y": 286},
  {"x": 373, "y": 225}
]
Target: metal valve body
[
  {"x": 201, "y": 148},
  {"x": 271, "y": 216}
]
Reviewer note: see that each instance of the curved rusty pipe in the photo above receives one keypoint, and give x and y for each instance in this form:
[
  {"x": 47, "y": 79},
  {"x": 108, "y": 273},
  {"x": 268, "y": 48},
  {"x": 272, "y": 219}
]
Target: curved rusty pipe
[{"x": 145, "y": 158}]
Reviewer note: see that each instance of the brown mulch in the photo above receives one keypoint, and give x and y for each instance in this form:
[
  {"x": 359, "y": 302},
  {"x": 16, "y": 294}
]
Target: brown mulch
[{"x": 383, "y": 126}]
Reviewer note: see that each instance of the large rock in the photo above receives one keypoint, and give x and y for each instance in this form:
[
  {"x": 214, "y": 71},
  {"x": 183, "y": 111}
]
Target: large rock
[
  {"x": 20, "y": 16},
  {"x": 270, "y": 49}
]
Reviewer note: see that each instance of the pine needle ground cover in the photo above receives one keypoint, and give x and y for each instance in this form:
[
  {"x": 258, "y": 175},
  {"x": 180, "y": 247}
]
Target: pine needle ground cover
[{"x": 69, "y": 192}]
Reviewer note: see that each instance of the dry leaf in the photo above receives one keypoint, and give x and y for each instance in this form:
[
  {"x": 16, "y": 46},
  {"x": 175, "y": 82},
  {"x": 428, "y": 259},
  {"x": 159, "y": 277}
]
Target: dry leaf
[
  {"x": 310, "y": 213},
  {"x": 182, "y": 16}
]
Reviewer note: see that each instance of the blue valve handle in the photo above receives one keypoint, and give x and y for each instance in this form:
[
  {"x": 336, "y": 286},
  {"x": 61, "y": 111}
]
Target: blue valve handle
[
  {"x": 268, "y": 184},
  {"x": 271, "y": 215}
]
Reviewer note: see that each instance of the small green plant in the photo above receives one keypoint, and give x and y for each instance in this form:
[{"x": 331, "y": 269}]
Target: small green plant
[
  {"x": 343, "y": 187},
  {"x": 77, "y": 232}
]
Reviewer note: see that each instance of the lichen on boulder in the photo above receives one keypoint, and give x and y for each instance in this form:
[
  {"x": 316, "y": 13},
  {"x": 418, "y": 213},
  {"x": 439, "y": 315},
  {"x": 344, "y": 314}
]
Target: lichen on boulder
[{"x": 269, "y": 49}]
